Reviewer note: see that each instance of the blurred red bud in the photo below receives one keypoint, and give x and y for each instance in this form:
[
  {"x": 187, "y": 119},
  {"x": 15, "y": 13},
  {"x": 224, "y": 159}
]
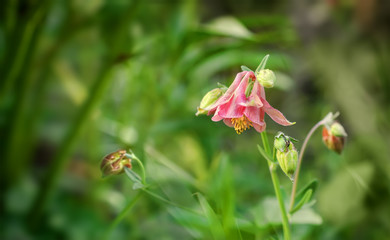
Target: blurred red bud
[{"x": 334, "y": 137}]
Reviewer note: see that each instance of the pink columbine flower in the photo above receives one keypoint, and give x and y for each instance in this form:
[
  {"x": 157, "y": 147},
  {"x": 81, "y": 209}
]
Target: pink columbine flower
[{"x": 243, "y": 105}]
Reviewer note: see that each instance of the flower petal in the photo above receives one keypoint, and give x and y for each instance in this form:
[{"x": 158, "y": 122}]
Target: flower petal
[
  {"x": 230, "y": 109},
  {"x": 255, "y": 115},
  {"x": 229, "y": 93},
  {"x": 258, "y": 127},
  {"x": 239, "y": 93},
  {"x": 254, "y": 97},
  {"x": 216, "y": 118},
  {"x": 228, "y": 122},
  {"x": 275, "y": 114}
]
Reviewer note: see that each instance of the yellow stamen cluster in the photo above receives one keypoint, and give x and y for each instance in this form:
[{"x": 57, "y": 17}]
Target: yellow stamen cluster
[{"x": 241, "y": 124}]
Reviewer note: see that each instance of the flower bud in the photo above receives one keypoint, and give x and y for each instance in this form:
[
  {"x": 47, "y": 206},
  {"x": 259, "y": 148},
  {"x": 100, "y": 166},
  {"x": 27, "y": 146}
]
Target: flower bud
[
  {"x": 280, "y": 142},
  {"x": 288, "y": 160},
  {"x": 337, "y": 130},
  {"x": 266, "y": 78},
  {"x": 209, "y": 99},
  {"x": 286, "y": 154},
  {"x": 334, "y": 137},
  {"x": 114, "y": 163}
]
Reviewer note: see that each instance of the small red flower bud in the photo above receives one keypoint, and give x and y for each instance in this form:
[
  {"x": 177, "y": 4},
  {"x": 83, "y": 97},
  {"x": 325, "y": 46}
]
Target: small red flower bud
[
  {"x": 334, "y": 137},
  {"x": 114, "y": 163}
]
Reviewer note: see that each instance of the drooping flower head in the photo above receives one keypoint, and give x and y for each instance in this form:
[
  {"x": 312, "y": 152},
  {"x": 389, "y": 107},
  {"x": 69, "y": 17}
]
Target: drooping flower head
[
  {"x": 334, "y": 136},
  {"x": 114, "y": 163},
  {"x": 244, "y": 105}
]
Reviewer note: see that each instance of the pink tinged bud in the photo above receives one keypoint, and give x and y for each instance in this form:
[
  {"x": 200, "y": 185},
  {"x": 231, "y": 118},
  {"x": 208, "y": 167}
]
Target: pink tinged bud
[
  {"x": 334, "y": 137},
  {"x": 114, "y": 163}
]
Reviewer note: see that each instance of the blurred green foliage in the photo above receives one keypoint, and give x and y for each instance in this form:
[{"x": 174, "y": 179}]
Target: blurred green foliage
[{"x": 80, "y": 79}]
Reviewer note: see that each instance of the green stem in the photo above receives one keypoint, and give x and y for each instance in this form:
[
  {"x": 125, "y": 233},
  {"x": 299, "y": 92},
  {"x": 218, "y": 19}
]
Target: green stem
[
  {"x": 266, "y": 146},
  {"x": 275, "y": 180},
  {"x": 295, "y": 184},
  {"x": 124, "y": 212}
]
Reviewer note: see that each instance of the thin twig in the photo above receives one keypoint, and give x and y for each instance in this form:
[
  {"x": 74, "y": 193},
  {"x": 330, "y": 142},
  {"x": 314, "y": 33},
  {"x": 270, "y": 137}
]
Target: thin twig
[{"x": 295, "y": 184}]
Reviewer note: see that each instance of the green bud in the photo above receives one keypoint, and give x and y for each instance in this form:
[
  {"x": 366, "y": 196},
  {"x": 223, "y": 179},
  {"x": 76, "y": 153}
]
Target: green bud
[
  {"x": 209, "y": 99},
  {"x": 114, "y": 163},
  {"x": 291, "y": 162},
  {"x": 266, "y": 78},
  {"x": 281, "y": 157},
  {"x": 286, "y": 154},
  {"x": 280, "y": 142}
]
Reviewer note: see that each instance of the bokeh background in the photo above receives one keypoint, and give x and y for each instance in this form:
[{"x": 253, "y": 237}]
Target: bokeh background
[{"x": 81, "y": 79}]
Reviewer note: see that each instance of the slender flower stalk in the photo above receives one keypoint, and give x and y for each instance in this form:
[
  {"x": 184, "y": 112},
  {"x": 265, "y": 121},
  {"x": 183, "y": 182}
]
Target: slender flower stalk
[
  {"x": 275, "y": 180},
  {"x": 295, "y": 184},
  {"x": 328, "y": 120}
]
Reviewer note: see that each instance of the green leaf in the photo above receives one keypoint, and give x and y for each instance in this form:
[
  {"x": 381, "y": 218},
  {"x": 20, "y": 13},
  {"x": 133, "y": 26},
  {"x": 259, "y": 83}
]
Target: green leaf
[
  {"x": 135, "y": 178},
  {"x": 195, "y": 224},
  {"x": 215, "y": 225},
  {"x": 138, "y": 186},
  {"x": 311, "y": 185},
  {"x": 271, "y": 214},
  {"x": 228, "y": 26},
  {"x": 262, "y": 63},
  {"x": 223, "y": 193},
  {"x": 306, "y": 198},
  {"x": 306, "y": 216},
  {"x": 245, "y": 68}
]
